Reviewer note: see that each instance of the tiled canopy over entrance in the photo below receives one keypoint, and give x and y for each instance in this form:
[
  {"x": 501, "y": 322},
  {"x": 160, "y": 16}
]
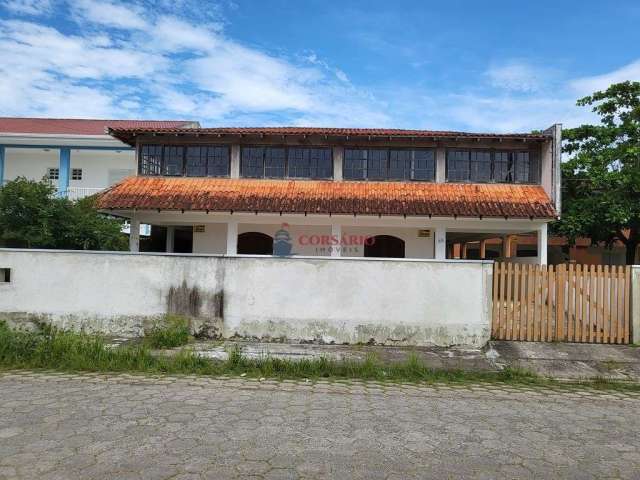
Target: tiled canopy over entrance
[{"x": 327, "y": 197}]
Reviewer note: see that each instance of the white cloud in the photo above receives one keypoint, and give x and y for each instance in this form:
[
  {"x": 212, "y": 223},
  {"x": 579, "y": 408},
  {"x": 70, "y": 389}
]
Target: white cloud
[
  {"x": 513, "y": 114},
  {"x": 516, "y": 76},
  {"x": 313, "y": 59},
  {"x": 29, "y": 7},
  {"x": 173, "y": 34},
  {"x": 340, "y": 75},
  {"x": 104, "y": 12},
  {"x": 121, "y": 60},
  {"x": 588, "y": 85},
  {"x": 29, "y": 46},
  {"x": 248, "y": 79}
]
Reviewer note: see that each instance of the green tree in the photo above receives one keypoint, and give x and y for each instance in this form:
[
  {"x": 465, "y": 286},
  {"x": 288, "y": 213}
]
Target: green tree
[
  {"x": 32, "y": 216},
  {"x": 601, "y": 179}
]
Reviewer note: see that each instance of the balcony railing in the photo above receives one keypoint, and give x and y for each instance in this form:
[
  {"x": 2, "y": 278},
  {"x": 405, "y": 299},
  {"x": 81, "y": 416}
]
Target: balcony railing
[
  {"x": 73, "y": 193},
  {"x": 76, "y": 193}
]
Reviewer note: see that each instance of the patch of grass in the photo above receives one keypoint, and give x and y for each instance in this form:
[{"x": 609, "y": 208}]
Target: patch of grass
[
  {"x": 171, "y": 332},
  {"x": 55, "y": 349},
  {"x": 611, "y": 365}
]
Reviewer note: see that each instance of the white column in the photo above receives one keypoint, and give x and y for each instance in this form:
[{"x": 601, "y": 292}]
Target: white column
[
  {"x": 336, "y": 232},
  {"x": 235, "y": 162},
  {"x": 338, "y": 158},
  {"x": 171, "y": 234},
  {"x": 441, "y": 165},
  {"x": 440, "y": 243},
  {"x": 134, "y": 235},
  {"x": 232, "y": 238},
  {"x": 542, "y": 244}
]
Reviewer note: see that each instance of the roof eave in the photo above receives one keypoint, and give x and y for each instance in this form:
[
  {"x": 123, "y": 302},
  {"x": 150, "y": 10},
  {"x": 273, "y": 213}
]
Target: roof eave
[{"x": 128, "y": 136}]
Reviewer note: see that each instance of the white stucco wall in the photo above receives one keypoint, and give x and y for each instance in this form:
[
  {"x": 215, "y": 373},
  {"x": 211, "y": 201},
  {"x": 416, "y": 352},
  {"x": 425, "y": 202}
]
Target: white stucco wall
[
  {"x": 29, "y": 163},
  {"x": 100, "y": 168},
  {"x": 213, "y": 239},
  {"x": 414, "y": 246},
  {"x": 300, "y": 236},
  {"x": 413, "y": 302}
]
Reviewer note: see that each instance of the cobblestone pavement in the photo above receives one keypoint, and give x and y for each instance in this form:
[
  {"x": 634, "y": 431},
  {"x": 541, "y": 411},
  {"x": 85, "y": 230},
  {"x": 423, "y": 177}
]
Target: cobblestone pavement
[{"x": 64, "y": 426}]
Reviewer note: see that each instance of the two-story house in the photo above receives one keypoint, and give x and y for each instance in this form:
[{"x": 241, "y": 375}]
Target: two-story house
[
  {"x": 338, "y": 191},
  {"x": 76, "y": 155}
]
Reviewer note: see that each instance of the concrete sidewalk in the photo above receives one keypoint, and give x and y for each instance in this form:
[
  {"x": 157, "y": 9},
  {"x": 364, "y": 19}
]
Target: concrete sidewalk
[
  {"x": 569, "y": 361},
  {"x": 565, "y": 361},
  {"x": 451, "y": 358}
]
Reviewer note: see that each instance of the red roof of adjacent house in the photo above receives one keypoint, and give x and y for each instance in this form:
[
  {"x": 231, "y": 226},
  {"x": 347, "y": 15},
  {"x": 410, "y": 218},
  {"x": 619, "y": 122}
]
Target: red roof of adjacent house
[
  {"x": 77, "y": 126},
  {"x": 324, "y": 197},
  {"x": 127, "y": 135}
]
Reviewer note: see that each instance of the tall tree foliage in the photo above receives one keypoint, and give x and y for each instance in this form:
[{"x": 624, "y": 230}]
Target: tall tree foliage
[
  {"x": 31, "y": 216},
  {"x": 601, "y": 179}
]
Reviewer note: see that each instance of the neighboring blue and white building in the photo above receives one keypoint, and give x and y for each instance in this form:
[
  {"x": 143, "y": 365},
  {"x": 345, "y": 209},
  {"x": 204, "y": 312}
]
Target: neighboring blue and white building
[{"x": 76, "y": 155}]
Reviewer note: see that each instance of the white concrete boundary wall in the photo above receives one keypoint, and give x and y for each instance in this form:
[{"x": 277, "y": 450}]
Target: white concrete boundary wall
[{"x": 412, "y": 302}]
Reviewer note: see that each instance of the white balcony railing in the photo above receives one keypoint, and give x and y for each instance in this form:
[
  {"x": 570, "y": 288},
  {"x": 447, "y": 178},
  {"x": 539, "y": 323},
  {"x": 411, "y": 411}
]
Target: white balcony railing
[{"x": 76, "y": 193}]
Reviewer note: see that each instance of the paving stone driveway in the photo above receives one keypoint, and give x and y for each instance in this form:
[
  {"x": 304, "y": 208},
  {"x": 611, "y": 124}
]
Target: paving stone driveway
[{"x": 55, "y": 426}]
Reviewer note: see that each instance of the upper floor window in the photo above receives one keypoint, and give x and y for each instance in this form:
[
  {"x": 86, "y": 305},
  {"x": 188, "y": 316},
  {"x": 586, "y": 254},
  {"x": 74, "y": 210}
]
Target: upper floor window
[
  {"x": 173, "y": 161},
  {"x": 275, "y": 164},
  {"x": 207, "y": 161},
  {"x": 281, "y": 162},
  {"x": 53, "y": 173},
  {"x": 76, "y": 174},
  {"x": 310, "y": 163},
  {"x": 191, "y": 160},
  {"x": 150, "y": 159},
  {"x": 492, "y": 166},
  {"x": 383, "y": 164}
]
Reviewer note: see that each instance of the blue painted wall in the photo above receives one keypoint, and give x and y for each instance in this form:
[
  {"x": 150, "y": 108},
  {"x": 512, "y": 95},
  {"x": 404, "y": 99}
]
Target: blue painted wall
[
  {"x": 65, "y": 171},
  {"x": 1, "y": 164}
]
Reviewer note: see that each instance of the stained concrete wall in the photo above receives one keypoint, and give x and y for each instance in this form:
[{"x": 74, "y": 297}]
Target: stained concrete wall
[{"x": 412, "y": 302}]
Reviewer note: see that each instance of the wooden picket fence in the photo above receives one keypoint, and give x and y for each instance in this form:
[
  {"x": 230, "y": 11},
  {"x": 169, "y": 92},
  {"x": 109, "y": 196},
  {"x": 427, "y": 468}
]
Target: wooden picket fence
[{"x": 568, "y": 303}]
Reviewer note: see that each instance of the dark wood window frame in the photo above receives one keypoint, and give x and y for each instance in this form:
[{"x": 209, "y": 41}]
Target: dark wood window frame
[
  {"x": 390, "y": 172},
  {"x": 533, "y": 160},
  {"x": 270, "y": 164},
  {"x": 153, "y": 168},
  {"x": 310, "y": 161}
]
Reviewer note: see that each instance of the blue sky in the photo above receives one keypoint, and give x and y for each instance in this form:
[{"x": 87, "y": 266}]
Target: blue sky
[{"x": 455, "y": 65}]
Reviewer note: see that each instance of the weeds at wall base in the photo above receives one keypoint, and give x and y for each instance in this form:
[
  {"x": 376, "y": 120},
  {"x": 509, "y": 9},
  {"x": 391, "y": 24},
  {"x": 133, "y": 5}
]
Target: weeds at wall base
[
  {"x": 53, "y": 349},
  {"x": 172, "y": 331}
]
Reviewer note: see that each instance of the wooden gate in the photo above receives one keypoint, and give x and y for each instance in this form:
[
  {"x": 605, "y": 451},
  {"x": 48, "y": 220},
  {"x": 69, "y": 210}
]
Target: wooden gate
[{"x": 574, "y": 303}]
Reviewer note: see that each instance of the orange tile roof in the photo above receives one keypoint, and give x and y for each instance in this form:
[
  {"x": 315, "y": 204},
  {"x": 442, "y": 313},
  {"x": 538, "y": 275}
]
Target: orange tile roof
[
  {"x": 81, "y": 126},
  {"x": 324, "y": 197}
]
